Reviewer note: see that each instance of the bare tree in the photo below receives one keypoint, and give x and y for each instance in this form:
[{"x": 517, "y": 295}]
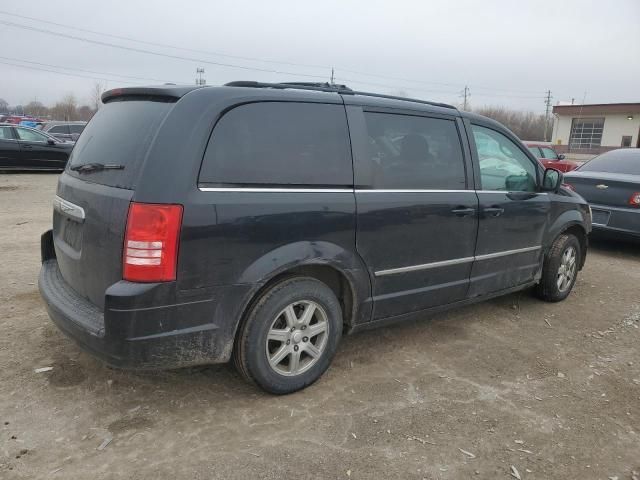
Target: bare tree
[
  {"x": 95, "y": 96},
  {"x": 85, "y": 112},
  {"x": 4, "y": 105},
  {"x": 526, "y": 125},
  {"x": 69, "y": 106},
  {"x": 35, "y": 108}
]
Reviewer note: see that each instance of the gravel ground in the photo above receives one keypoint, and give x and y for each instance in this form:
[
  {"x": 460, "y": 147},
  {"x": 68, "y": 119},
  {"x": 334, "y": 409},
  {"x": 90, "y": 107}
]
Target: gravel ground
[{"x": 549, "y": 390}]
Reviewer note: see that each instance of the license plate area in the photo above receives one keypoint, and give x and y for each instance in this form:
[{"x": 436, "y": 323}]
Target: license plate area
[
  {"x": 71, "y": 233},
  {"x": 600, "y": 217}
]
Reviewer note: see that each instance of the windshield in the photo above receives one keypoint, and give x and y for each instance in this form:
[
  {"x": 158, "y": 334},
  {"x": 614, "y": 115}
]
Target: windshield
[
  {"x": 616, "y": 161},
  {"x": 120, "y": 133}
]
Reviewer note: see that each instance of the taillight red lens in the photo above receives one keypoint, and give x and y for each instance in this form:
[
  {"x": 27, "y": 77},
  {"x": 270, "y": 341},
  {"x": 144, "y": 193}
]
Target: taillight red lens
[
  {"x": 634, "y": 200},
  {"x": 151, "y": 242}
]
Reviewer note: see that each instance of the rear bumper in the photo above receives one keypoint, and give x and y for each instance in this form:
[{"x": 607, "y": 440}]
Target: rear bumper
[
  {"x": 135, "y": 331},
  {"x": 619, "y": 221}
]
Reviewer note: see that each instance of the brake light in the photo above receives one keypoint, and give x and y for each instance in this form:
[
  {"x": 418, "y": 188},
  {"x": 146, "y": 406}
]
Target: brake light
[
  {"x": 151, "y": 242},
  {"x": 634, "y": 200}
]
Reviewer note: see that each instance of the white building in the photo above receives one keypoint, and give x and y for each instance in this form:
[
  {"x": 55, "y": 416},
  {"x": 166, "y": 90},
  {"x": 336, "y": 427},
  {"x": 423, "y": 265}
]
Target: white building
[{"x": 582, "y": 131}]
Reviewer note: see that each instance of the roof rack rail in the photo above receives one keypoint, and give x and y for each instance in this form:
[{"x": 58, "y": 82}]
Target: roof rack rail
[{"x": 329, "y": 87}]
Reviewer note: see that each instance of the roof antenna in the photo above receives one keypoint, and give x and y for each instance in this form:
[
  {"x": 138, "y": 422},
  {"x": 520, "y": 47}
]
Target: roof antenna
[{"x": 332, "y": 81}]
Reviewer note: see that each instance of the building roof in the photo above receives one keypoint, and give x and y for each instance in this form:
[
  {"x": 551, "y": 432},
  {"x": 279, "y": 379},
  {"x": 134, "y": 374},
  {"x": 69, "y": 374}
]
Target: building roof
[{"x": 597, "y": 109}]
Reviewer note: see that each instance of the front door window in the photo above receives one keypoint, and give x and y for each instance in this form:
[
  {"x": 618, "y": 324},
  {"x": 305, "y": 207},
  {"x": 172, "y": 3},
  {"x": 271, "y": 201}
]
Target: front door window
[{"x": 503, "y": 165}]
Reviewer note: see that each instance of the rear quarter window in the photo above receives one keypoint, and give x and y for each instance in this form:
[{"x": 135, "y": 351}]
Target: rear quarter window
[{"x": 278, "y": 143}]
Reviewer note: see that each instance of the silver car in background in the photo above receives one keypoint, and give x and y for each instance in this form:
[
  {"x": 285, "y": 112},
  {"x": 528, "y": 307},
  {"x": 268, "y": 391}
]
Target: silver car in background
[{"x": 69, "y": 131}]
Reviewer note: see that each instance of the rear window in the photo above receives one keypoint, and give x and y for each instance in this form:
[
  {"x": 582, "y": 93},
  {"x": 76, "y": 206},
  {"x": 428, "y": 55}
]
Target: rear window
[
  {"x": 59, "y": 129},
  {"x": 276, "y": 143},
  {"x": 618, "y": 161},
  {"x": 119, "y": 133}
]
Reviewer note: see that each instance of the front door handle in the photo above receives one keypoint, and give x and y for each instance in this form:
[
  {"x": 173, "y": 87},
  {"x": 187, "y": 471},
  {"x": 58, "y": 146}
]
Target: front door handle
[
  {"x": 494, "y": 211},
  {"x": 464, "y": 211}
]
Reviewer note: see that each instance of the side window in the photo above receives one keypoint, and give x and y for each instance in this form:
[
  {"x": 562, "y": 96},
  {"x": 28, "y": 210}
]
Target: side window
[
  {"x": 59, "y": 129},
  {"x": 30, "y": 135},
  {"x": 76, "y": 128},
  {"x": 412, "y": 152},
  {"x": 280, "y": 143},
  {"x": 503, "y": 166},
  {"x": 549, "y": 153},
  {"x": 535, "y": 151},
  {"x": 5, "y": 133}
]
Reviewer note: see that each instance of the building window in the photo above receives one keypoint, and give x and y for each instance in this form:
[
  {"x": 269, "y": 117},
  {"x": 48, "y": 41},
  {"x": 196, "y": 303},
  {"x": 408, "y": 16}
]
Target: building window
[
  {"x": 626, "y": 141},
  {"x": 586, "y": 133}
]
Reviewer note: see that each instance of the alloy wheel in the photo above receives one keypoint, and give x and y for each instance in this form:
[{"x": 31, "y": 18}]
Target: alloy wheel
[
  {"x": 567, "y": 269},
  {"x": 297, "y": 338}
]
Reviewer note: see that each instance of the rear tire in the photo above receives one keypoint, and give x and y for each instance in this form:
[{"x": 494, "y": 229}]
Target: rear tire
[
  {"x": 290, "y": 336},
  {"x": 560, "y": 269}
]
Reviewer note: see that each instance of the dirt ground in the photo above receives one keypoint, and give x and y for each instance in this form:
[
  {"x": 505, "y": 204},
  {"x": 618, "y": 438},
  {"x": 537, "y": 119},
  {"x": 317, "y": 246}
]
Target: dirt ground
[{"x": 550, "y": 389}]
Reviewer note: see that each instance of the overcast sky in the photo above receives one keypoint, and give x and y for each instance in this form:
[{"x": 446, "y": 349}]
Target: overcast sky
[{"x": 508, "y": 52}]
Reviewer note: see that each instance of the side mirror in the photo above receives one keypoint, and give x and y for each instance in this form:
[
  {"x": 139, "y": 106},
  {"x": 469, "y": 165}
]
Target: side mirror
[
  {"x": 551, "y": 180},
  {"x": 50, "y": 142},
  {"x": 561, "y": 156}
]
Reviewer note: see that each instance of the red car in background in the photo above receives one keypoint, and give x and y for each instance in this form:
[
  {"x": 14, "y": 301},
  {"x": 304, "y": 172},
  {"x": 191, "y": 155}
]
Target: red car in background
[{"x": 549, "y": 158}]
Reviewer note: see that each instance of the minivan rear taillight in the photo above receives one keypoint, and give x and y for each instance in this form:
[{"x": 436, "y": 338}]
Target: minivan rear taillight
[{"x": 151, "y": 242}]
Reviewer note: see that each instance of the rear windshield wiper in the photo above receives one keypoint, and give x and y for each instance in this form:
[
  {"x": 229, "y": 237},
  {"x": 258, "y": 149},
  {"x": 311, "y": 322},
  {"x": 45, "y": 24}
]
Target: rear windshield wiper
[{"x": 96, "y": 167}]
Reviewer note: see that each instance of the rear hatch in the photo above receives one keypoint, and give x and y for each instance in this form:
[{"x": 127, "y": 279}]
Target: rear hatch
[{"x": 91, "y": 206}]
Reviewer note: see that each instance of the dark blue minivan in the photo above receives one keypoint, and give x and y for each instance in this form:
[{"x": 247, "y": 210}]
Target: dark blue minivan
[{"x": 259, "y": 222}]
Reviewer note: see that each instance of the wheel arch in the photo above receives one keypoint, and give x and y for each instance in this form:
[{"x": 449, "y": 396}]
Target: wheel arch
[
  {"x": 575, "y": 228},
  {"x": 342, "y": 271}
]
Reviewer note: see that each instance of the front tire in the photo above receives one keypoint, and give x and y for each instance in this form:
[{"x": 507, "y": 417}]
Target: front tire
[
  {"x": 290, "y": 336},
  {"x": 560, "y": 269}
]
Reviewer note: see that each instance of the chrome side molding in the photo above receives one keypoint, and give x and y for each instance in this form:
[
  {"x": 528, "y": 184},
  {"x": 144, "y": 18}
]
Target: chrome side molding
[{"x": 455, "y": 261}]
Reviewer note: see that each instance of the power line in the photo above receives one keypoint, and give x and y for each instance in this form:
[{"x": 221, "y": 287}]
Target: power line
[
  {"x": 70, "y": 74},
  {"x": 85, "y": 71},
  {"x": 164, "y": 45},
  {"x": 151, "y": 52},
  {"x": 396, "y": 87}
]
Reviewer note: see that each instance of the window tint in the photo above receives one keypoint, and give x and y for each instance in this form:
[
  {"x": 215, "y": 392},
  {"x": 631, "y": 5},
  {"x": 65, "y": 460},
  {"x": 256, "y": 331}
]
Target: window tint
[
  {"x": 120, "y": 132},
  {"x": 5, "y": 133},
  {"x": 616, "y": 161},
  {"x": 503, "y": 166},
  {"x": 549, "y": 153},
  {"x": 59, "y": 129},
  {"x": 280, "y": 143},
  {"x": 411, "y": 152},
  {"x": 30, "y": 135},
  {"x": 76, "y": 128}
]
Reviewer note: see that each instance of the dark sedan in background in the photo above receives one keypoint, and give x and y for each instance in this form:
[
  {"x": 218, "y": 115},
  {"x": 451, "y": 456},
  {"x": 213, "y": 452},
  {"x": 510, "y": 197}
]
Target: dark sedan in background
[
  {"x": 23, "y": 148},
  {"x": 611, "y": 184}
]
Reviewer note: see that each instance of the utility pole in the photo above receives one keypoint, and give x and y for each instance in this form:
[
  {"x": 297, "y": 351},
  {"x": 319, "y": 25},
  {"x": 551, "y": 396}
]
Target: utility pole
[
  {"x": 547, "y": 102},
  {"x": 200, "y": 80},
  {"x": 466, "y": 94},
  {"x": 332, "y": 81}
]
